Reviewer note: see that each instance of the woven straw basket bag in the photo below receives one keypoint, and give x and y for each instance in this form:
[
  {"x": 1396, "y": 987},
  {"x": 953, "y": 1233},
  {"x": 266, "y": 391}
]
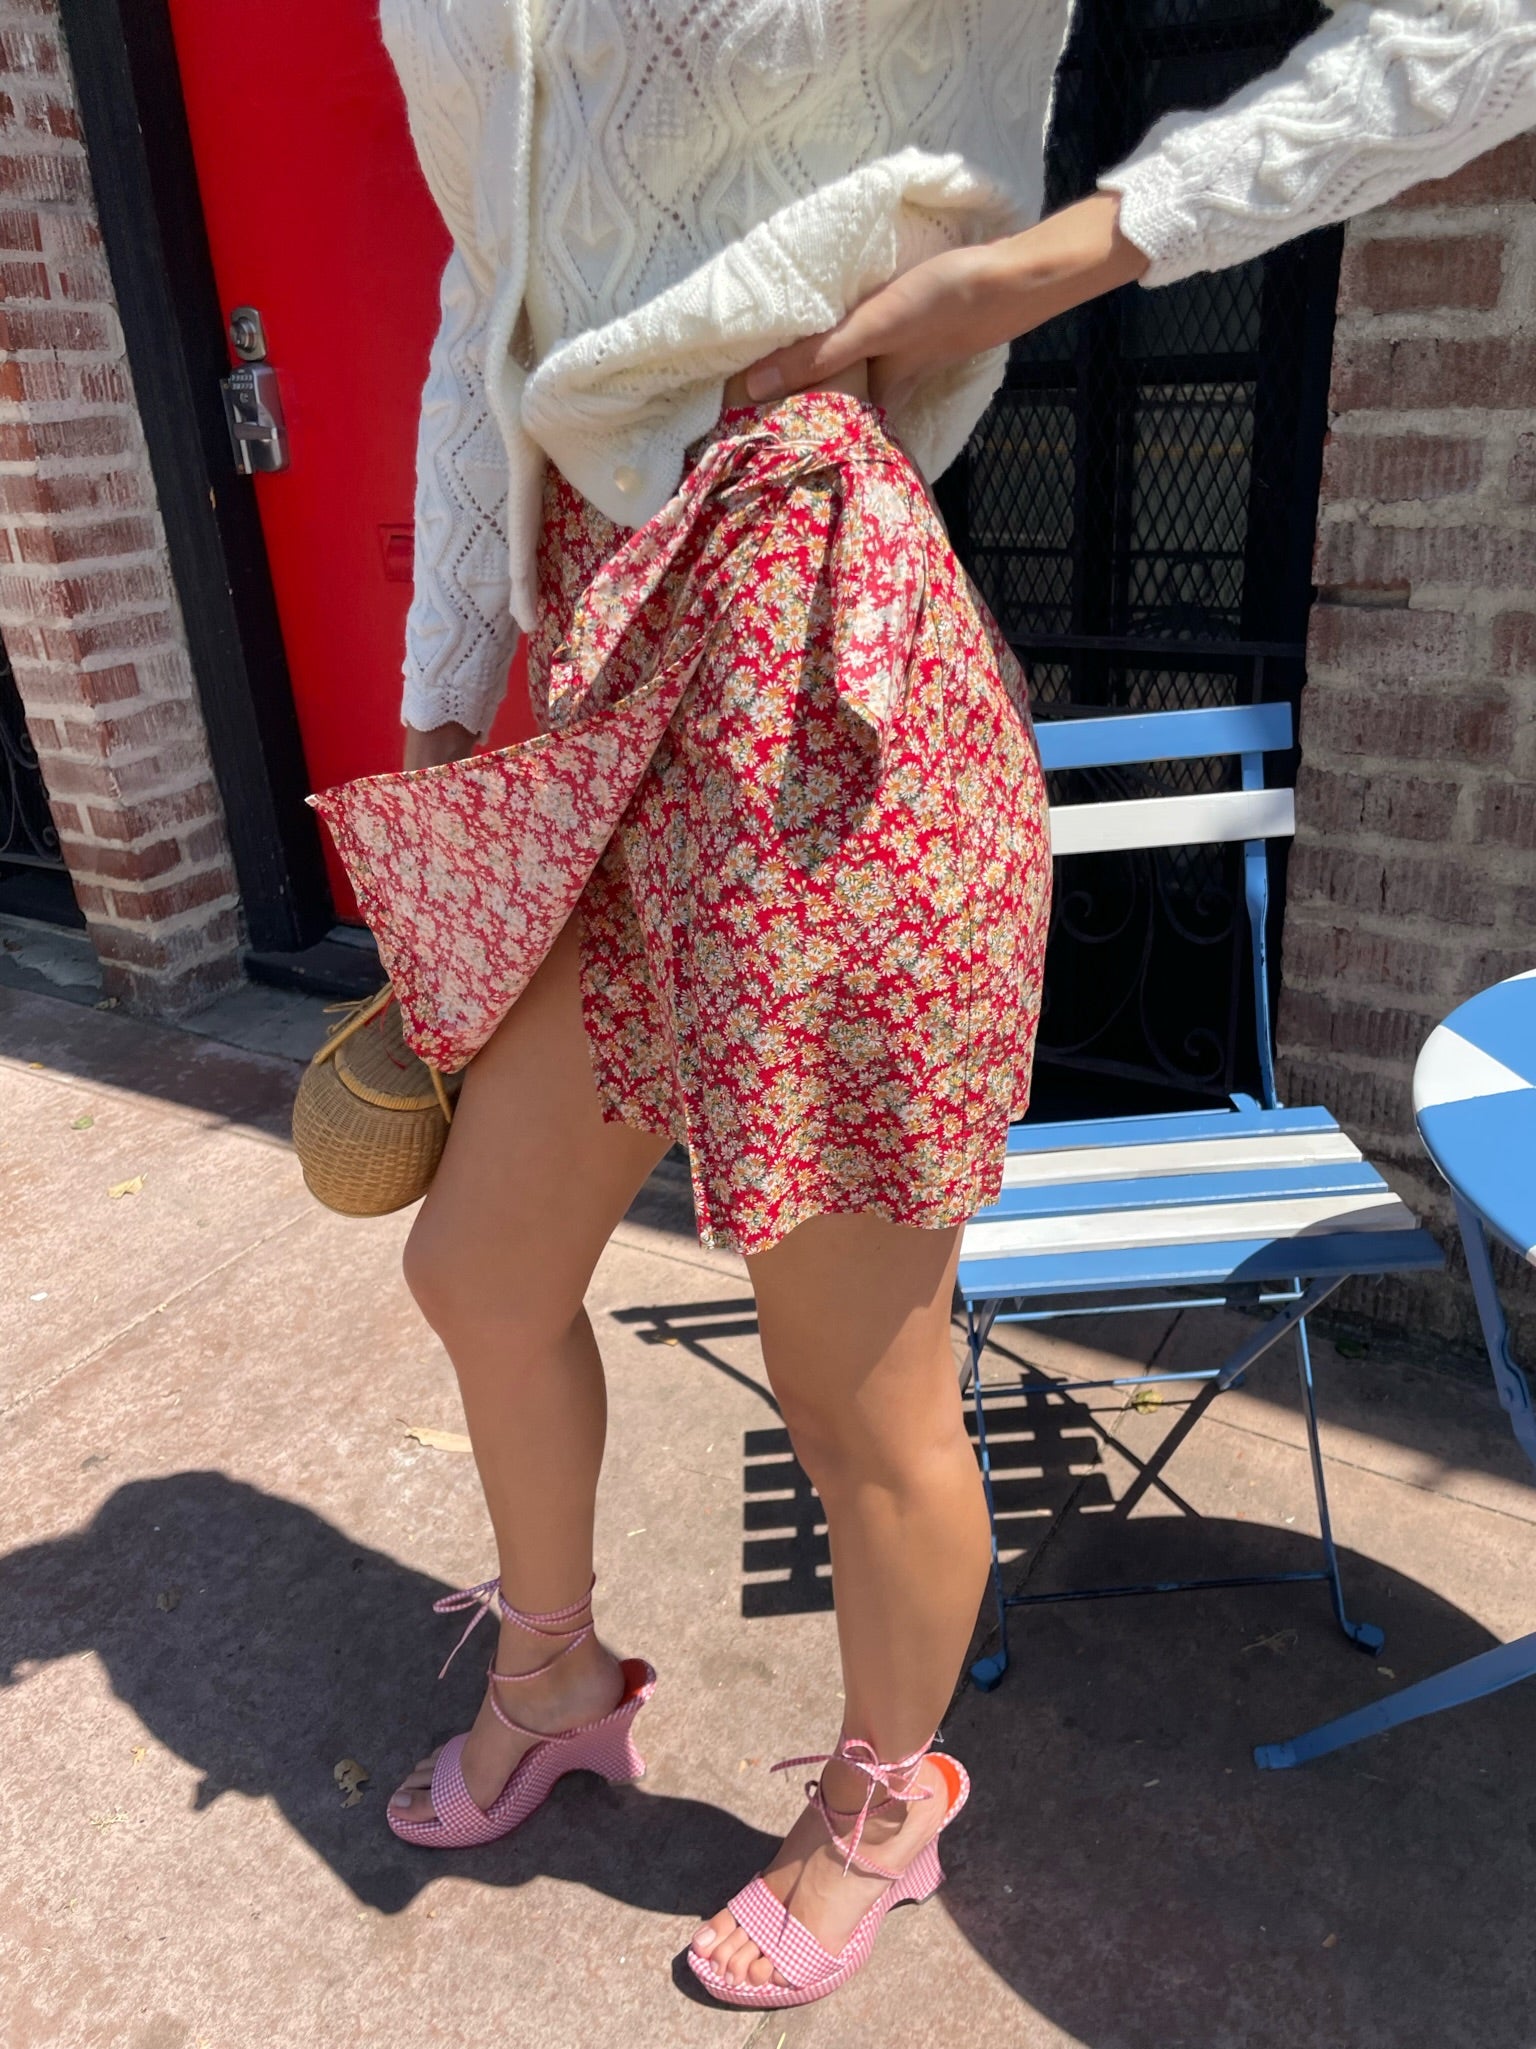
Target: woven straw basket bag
[{"x": 371, "y": 1117}]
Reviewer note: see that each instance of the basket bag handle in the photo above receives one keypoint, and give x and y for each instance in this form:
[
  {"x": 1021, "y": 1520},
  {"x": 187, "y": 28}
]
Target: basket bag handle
[{"x": 364, "y": 1013}]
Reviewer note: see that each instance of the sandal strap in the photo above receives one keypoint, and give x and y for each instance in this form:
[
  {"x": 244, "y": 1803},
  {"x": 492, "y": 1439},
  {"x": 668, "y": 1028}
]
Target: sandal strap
[
  {"x": 557, "y": 1622},
  {"x": 788, "y": 1944},
  {"x": 861, "y": 1757}
]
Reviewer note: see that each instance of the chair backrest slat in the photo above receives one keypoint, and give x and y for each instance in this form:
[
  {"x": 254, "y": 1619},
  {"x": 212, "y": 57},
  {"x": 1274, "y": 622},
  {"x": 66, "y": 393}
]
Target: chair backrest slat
[
  {"x": 1120, "y": 739},
  {"x": 1206, "y": 820}
]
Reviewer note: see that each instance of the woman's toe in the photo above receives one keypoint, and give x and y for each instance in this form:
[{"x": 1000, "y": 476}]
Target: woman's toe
[
  {"x": 743, "y": 1957},
  {"x": 760, "y": 1971},
  {"x": 707, "y": 1940},
  {"x": 412, "y": 1799},
  {"x": 725, "y": 1951}
]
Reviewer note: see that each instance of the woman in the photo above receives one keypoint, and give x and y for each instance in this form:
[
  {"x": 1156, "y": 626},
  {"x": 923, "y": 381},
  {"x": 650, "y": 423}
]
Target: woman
[{"x": 775, "y": 881}]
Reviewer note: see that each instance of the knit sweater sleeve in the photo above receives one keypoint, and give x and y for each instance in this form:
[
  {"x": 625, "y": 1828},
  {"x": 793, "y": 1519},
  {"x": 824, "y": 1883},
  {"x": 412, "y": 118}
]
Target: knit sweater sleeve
[
  {"x": 1377, "y": 99},
  {"x": 459, "y": 632}
]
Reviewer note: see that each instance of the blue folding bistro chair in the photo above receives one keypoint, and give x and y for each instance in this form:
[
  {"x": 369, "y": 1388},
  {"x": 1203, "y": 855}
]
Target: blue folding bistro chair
[{"x": 1253, "y": 1205}]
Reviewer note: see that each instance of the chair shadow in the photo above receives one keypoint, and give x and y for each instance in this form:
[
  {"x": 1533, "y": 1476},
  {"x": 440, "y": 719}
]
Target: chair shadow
[
  {"x": 785, "y": 1557},
  {"x": 1038, "y": 1449},
  {"x": 689, "y": 1324},
  {"x": 280, "y": 1653},
  {"x": 1133, "y": 1875}
]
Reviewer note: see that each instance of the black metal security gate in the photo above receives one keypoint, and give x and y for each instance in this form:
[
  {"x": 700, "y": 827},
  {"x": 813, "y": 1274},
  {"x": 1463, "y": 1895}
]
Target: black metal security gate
[
  {"x": 33, "y": 881},
  {"x": 1138, "y": 509}
]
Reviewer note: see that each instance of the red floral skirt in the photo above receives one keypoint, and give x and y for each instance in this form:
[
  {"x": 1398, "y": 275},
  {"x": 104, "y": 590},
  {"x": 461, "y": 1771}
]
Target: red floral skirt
[{"x": 788, "y": 781}]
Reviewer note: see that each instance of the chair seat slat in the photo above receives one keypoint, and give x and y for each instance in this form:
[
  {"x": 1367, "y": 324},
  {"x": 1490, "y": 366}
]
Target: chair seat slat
[
  {"x": 1188, "y": 1225},
  {"x": 1090, "y": 1196},
  {"x": 1221, "y": 1263},
  {"x": 1174, "y": 1124},
  {"x": 1275, "y": 1152}
]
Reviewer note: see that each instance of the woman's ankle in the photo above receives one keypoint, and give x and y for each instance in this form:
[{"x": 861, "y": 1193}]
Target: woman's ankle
[
  {"x": 846, "y": 1789},
  {"x": 856, "y": 1809},
  {"x": 580, "y": 1674}
]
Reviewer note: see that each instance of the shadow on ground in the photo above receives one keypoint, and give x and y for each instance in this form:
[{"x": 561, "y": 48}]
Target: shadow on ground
[
  {"x": 201, "y": 1075},
  {"x": 1134, "y": 1878},
  {"x": 696, "y": 1327},
  {"x": 1123, "y": 1868},
  {"x": 280, "y": 1654}
]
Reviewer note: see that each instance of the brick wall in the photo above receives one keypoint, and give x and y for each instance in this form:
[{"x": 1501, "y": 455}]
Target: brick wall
[
  {"x": 88, "y": 611},
  {"x": 1413, "y": 879}
]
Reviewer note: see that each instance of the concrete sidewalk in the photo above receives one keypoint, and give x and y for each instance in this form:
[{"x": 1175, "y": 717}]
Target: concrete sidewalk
[{"x": 222, "y": 1541}]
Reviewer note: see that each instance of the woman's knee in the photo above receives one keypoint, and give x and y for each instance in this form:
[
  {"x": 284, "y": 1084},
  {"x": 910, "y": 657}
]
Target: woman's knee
[
  {"x": 842, "y": 1446},
  {"x": 462, "y": 1288},
  {"x": 427, "y": 1265}
]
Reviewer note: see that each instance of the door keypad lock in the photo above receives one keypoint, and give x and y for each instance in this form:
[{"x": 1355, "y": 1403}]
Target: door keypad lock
[{"x": 253, "y": 408}]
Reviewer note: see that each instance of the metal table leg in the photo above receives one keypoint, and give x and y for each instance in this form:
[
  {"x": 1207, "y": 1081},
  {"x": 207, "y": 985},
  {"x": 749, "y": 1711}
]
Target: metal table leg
[
  {"x": 1493, "y": 1670},
  {"x": 1489, "y": 1672}
]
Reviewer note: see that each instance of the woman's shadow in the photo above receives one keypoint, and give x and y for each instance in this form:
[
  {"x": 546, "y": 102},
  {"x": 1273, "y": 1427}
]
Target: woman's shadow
[{"x": 259, "y": 1643}]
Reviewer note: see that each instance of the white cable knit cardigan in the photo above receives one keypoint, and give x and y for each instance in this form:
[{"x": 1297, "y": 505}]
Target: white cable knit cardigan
[{"x": 647, "y": 195}]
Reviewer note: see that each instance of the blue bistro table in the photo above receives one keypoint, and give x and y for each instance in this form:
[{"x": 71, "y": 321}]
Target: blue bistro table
[{"x": 1474, "y": 1098}]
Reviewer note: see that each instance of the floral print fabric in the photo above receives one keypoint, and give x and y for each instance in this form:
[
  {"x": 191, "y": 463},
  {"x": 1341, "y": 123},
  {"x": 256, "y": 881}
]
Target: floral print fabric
[{"x": 788, "y": 778}]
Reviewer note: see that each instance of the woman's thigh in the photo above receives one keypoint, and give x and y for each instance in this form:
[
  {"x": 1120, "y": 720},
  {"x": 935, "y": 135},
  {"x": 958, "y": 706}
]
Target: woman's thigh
[{"x": 532, "y": 1180}]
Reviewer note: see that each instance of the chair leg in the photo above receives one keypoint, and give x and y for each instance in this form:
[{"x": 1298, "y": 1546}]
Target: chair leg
[
  {"x": 1364, "y": 1635},
  {"x": 986, "y": 1673},
  {"x": 1473, "y": 1679}
]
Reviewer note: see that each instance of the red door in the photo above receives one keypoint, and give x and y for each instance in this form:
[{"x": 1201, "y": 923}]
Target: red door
[{"x": 318, "y": 217}]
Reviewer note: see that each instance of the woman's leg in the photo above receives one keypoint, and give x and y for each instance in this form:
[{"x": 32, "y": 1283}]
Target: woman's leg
[
  {"x": 854, "y": 1314},
  {"x": 531, "y": 1185}
]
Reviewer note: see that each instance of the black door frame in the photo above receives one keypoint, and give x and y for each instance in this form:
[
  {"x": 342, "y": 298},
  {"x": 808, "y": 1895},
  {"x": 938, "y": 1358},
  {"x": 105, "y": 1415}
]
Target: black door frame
[{"x": 128, "y": 85}]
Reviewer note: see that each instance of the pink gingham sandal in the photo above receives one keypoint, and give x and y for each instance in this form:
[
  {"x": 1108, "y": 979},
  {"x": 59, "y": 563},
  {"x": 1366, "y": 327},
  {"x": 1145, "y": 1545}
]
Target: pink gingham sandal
[
  {"x": 809, "y": 1971},
  {"x": 605, "y": 1746}
]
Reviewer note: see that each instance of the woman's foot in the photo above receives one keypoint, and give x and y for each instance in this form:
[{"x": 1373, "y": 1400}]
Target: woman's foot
[
  {"x": 582, "y": 1686},
  {"x": 807, "y": 1874}
]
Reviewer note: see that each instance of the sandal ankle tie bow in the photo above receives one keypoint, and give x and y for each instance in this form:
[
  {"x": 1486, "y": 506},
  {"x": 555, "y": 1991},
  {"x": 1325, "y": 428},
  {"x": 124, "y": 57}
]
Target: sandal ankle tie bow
[{"x": 861, "y": 1757}]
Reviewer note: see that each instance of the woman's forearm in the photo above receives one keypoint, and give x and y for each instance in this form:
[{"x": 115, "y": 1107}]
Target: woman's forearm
[
  {"x": 1066, "y": 260},
  {"x": 957, "y": 305}
]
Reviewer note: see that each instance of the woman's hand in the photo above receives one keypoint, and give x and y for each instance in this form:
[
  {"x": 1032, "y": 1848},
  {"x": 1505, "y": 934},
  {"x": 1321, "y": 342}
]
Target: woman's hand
[
  {"x": 956, "y": 305},
  {"x": 443, "y": 743}
]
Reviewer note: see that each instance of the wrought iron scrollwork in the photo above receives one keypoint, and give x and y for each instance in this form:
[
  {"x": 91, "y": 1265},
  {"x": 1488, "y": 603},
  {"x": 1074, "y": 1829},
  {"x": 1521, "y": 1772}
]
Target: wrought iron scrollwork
[
  {"x": 28, "y": 836},
  {"x": 1129, "y": 924}
]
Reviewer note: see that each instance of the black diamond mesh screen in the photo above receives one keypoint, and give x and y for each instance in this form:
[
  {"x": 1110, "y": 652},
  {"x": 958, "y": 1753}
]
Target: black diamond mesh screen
[{"x": 1148, "y": 474}]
